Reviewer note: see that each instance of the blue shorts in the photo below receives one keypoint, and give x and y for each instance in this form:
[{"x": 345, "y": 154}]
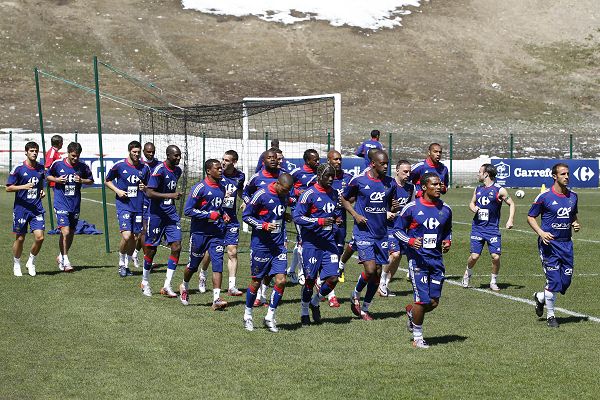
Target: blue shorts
[
  {"x": 268, "y": 262},
  {"x": 35, "y": 222},
  {"x": 130, "y": 221},
  {"x": 427, "y": 276},
  {"x": 395, "y": 245},
  {"x": 232, "y": 234},
  {"x": 557, "y": 262},
  {"x": 200, "y": 245},
  {"x": 493, "y": 240},
  {"x": 370, "y": 249},
  {"x": 162, "y": 226},
  {"x": 66, "y": 218},
  {"x": 315, "y": 260}
]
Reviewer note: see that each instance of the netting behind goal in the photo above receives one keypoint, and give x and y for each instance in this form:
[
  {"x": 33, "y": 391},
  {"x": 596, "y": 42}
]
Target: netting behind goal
[{"x": 249, "y": 126}]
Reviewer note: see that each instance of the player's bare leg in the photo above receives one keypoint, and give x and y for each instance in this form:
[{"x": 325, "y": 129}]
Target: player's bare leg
[
  {"x": 495, "y": 270},
  {"x": 232, "y": 262},
  {"x": 466, "y": 282},
  {"x": 416, "y": 314},
  {"x": 64, "y": 243},
  {"x": 17, "y": 249},
  {"x": 388, "y": 273}
]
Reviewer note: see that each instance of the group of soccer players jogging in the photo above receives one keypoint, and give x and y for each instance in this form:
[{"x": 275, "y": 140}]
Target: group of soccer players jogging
[{"x": 393, "y": 216}]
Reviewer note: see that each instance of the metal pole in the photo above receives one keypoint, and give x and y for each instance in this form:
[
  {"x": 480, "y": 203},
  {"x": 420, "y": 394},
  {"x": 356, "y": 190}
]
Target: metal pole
[
  {"x": 389, "y": 171},
  {"x": 140, "y": 138},
  {"x": 99, "y": 119},
  {"x": 512, "y": 145},
  {"x": 76, "y": 133},
  {"x": 10, "y": 150},
  {"x": 266, "y": 141},
  {"x": 39, "y": 103},
  {"x": 570, "y": 146},
  {"x": 328, "y": 140},
  {"x": 203, "y": 154},
  {"x": 451, "y": 156}
]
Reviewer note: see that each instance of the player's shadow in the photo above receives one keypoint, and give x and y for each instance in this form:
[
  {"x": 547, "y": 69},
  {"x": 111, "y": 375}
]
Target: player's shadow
[
  {"x": 77, "y": 268},
  {"x": 337, "y": 320},
  {"x": 437, "y": 340},
  {"x": 290, "y": 327},
  {"x": 399, "y": 293},
  {"x": 388, "y": 314},
  {"x": 571, "y": 319},
  {"x": 502, "y": 286}
]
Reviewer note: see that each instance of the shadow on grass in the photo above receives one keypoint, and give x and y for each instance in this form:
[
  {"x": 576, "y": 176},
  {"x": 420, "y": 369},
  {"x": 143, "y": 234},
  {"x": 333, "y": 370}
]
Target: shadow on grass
[
  {"x": 77, "y": 269},
  {"x": 437, "y": 340},
  {"x": 502, "y": 286},
  {"x": 571, "y": 320}
]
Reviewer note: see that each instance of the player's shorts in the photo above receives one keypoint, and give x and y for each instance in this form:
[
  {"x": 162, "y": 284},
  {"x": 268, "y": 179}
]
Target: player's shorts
[
  {"x": 268, "y": 262},
  {"x": 493, "y": 240},
  {"x": 201, "y": 244},
  {"x": 66, "y": 218},
  {"x": 159, "y": 227},
  {"x": 315, "y": 260},
  {"x": 352, "y": 244},
  {"x": 340, "y": 239},
  {"x": 395, "y": 245},
  {"x": 427, "y": 276},
  {"x": 130, "y": 221},
  {"x": 35, "y": 222},
  {"x": 232, "y": 234},
  {"x": 557, "y": 262},
  {"x": 370, "y": 249}
]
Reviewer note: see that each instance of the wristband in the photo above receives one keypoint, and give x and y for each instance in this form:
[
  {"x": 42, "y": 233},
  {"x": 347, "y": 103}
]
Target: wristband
[{"x": 265, "y": 226}]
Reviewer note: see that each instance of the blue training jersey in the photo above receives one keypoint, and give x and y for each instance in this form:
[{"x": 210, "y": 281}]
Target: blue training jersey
[
  {"x": 286, "y": 166},
  {"x": 260, "y": 180},
  {"x": 363, "y": 149},
  {"x": 128, "y": 177},
  {"x": 67, "y": 196},
  {"x": 151, "y": 165},
  {"x": 204, "y": 206},
  {"x": 164, "y": 180},
  {"x": 313, "y": 206},
  {"x": 432, "y": 222},
  {"x": 373, "y": 198},
  {"x": 558, "y": 211},
  {"x": 420, "y": 168},
  {"x": 29, "y": 200},
  {"x": 487, "y": 219},
  {"x": 234, "y": 185},
  {"x": 304, "y": 177},
  {"x": 403, "y": 194},
  {"x": 266, "y": 207},
  {"x": 340, "y": 182}
]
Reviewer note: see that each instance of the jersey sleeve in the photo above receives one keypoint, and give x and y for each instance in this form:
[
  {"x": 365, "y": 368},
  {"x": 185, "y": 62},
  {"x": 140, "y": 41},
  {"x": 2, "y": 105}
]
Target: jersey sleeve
[
  {"x": 13, "y": 176},
  {"x": 351, "y": 190},
  {"x": 536, "y": 206},
  {"x": 87, "y": 173},
  {"x": 447, "y": 230},
  {"x": 249, "y": 190},
  {"x": 405, "y": 221},
  {"x": 248, "y": 215},
  {"x": 155, "y": 179},
  {"x": 113, "y": 173},
  {"x": 190, "y": 209},
  {"x": 301, "y": 212}
]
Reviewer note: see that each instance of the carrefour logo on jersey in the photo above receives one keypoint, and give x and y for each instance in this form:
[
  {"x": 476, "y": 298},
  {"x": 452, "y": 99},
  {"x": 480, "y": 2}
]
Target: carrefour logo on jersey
[{"x": 536, "y": 172}]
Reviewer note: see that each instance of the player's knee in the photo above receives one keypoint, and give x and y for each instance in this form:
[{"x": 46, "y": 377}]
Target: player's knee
[
  {"x": 434, "y": 303},
  {"x": 495, "y": 257},
  {"x": 475, "y": 256},
  {"x": 126, "y": 235},
  {"x": 280, "y": 280},
  {"x": 309, "y": 283},
  {"x": 39, "y": 237},
  {"x": 20, "y": 238},
  {"x": 394, "y": 256},
  {"x": 232, "y": 251},
  {"x": 332, "y": 281},
  {"x": 175, "y": 247}
]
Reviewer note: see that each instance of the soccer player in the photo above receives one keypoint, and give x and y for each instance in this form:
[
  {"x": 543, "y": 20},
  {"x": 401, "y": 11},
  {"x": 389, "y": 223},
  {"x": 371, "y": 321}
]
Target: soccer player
[
  {"x": 427, "y": 231},
  {"x": 53, "y": 154},
  {"x": 403, "y": 194},
  {"x": 431, "y": 164},
  {"x": 373, "y": 143},
  {"x": 68, "y": 175},
  {"x": 163, "y": 219},
  {"x": 204, "y": 206},
  {"x": 318, "y": 214},
  {"x": 27, "y": 182},
  {"x": 265, "y": 213},
  {"x": 130, "y": 177},
  {"x": 285, "y": 165},
  {"x": 233, "y": 181},
  {"x": 557, "y": 208},
  {"x": 261, "y": 179},
  {"x": 373, "y": 191},
  {"x": 486, "y": 204}
]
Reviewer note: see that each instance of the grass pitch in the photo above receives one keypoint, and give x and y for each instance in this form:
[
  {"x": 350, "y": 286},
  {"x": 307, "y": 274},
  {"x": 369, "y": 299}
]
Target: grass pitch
[{"x": 91, "y": 334}]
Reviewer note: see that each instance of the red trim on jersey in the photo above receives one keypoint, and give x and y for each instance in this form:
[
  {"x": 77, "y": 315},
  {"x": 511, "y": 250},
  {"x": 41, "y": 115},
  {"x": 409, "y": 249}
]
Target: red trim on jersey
[
  {"x": 373, "y": 179},
  {"x": 321, "y": 188},
  {"x": 211, "y": 183},
  {"x": 271, "y": 188},
  {"x": 558, "y": 194},
  {"x": 28, "y": 167},
  {"x": 413, "y": 224},
  {"x": 173, "y": 258},
  {"x": 167, "y": 167},
  {"x": 430, "y": 162},
  {"x": 267, "y": 174},
  {"x": 66, "y": 161},
  {"x": 427, "y": 203},
  {"x": 308, "y": 169}
]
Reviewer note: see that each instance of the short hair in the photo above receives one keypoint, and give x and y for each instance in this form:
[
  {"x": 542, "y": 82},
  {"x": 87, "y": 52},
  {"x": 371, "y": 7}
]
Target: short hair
[
  {"x": 172, "y": 148},
  {"x": 556, "y": 166},
  {"x": 233, "y": 154},
  {"x": 210, "y": 162},
  {"x": 434, "y": 144},
  {"x": 56, "y": 140},
  {"x": 285, "y": 179},
  {"x": 427, "y": 176},
  {"x": 490, "y": 170},
  {"x": 402, "y": 162},
  {"x": 31, "y": 145},
  {"x": 275, "y": 143},
  {"x": 276, "y": 150},
  {"x": 149, "y": 144},
  {"x": 323, "y": 169},
  {"x": 134, "y": 145},
  {"x": 308, "y": 152},
  {"x": 74, "y": 147},
  {"x": 375, "y": 133}
]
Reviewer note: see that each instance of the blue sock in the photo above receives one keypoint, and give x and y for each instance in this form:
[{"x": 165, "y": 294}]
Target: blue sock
[
  {"x": 276, "y": 297},
  {"x": 172, "y": 263},
  {"x": 250, "y": 297},
  {"x": 371, "y": 289},
  {"x": 147, "y": 263},
  {"x": 307, "y": 291},
  {"x": 325, "y": 289},
  {"x": 362, "y": 282}
]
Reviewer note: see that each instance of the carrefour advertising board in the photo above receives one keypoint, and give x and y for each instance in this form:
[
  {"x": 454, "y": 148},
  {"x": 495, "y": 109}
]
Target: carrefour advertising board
[{"x": 518, "y": 172}]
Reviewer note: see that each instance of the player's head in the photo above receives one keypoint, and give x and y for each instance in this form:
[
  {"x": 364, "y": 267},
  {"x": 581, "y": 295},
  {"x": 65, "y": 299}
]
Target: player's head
[
  {"x": 284, "y": 184},
  {"x": 275, "y": 143},
  {"x": 431, "y": 185},
  {"x": 279, "y": 154},
  {"x": 173, "y": 155},
  {"x": 403, "y": 170},
  {"x": 435, "y": 152},
  {"x": 311, "y": 158},
  {"x": 334, "y": 158},
  {"x": 213, "y": 169},
  {"x": 375, "y": 134},
  {"x": 270, "y": 161},
  {"x": 73, "y": 152},
  {"x": 32, "y": 150},
  {"x": 229, "y": 160},
  {"x": 149, "y": 151},
  {"x": 56, "y": 141},
  {"x": 486, "y": 171},
  {"x": 560, "y": 174},
  {"x": 325, "y": 175},
  {"x": 135, "y": 150},
  {"x": 379, "y": 162}
]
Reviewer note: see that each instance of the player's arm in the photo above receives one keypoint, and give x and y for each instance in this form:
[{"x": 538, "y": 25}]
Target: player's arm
[
  {"x": 447, "y": 235},
  {"x": 575, "y": 224},
  {"x": 473, "y": 204},
  {"x": 360, "y": 150},
  {"x": 445, "y": 183},
  {"x": 52, "y": 177},
  {"x": 505, "y": 197},
  {"x": 402, "y": 233},
  {"x": 108, "y": 181},
  {"x": 10, "y": 187},
  {"x": 249, "y": 217}
]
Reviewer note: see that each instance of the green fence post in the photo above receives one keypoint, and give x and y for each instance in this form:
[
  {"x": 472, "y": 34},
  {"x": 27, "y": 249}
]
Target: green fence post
[
  {"x": 328, "y": 140},
  {"x": 570, "y": 146},
  {"x": 266, "y": 141},
  {"x": 39, "y": 104},
  {"x": 512, "y": 145},
  {"x": 10, "y": 150},
  {"x": 389, "y": 171},
  {"x": 99, "y": 120},
  {"x": 140, "y": 139},
  {"x": 203, "y": 154},
  {"x": 76, "y": 133},
  {"x": 451, "y": 139}
]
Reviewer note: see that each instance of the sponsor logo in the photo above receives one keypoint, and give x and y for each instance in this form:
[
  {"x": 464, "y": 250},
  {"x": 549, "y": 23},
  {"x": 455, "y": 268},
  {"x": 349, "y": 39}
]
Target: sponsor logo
[
  {"x": 424, "y": 279},
  {"x": 364, "y": 243},
  {"x": 217, "y": 201},
  {"x": 563, "y": 212},
  {"x": 282, "y": 257},
  {"x": 234, "y": 229},
  {"x": 376, "y": 210},
  {"x": 171, "y": 185},
  {"x": 377, "y": 197},
  {"x": 312, "y": 260},
  {"x": 279, "y": 210},
  {"x": 561, "y": 225},
  {"x": 476, "y": 237},
  {"x": 568, "y": 271},
  {"x": 584, "y": 173},
  {"x": 125, "y": 216},
  {"x": 528, "y": 173},
  {"x": 334, "y": 258},
  {"x": 431, "y": 223},
  {"x": 328, "y": 207},
  {"x": 133, "y": 179},
  {"x": 34, "y": 180},
  {"x": 384, "y": 245},
  {"x": 484, "y": 201},
  {"x": 261, "y": 259},
  {"x": 503, "y": 170},
  {"x": 219, "y": 249},
  {"x": 494, "y": 239}
]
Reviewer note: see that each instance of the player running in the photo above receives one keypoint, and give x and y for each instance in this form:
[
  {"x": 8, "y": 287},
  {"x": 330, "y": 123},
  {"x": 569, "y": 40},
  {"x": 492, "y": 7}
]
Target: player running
[
  {"x": 27, "y": 182},
  {"x": 558, "y": 210},
  {"x": 372, "y": 144},
  {"x": 486, "y": 204},
  {"x": 431, "y": 164},
  {"x": 427, "y": 231}
]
